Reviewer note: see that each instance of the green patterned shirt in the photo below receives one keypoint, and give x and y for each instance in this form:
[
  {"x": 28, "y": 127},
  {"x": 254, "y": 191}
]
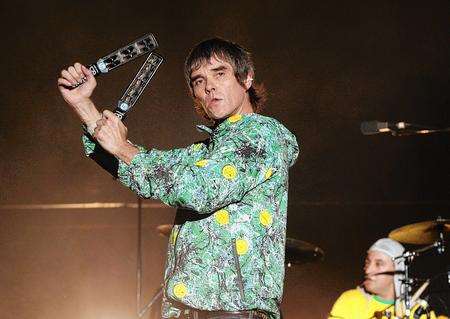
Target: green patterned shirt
[{"x": 230, "y": 256}]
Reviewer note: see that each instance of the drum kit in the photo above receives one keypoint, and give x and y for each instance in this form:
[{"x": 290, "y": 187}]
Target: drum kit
[
  {"x": 432, "y": 235},
  {"x": 429, "y": 233}
]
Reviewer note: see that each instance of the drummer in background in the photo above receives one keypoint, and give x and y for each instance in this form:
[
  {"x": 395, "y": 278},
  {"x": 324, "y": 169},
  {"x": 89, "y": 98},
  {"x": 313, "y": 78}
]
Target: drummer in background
[{"x": 378, "y": 296}]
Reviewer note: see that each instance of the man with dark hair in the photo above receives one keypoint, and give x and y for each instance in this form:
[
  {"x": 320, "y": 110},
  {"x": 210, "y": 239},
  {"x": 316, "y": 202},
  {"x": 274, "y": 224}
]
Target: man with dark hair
[
  {"x": 237, "y": 57},
  {"x": 226, "y": 251}
]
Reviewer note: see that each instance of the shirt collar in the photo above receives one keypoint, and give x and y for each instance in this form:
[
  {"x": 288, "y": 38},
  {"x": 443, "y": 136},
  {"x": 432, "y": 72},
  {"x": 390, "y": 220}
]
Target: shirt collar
[
  {"x": 231, "y": 121},
  {"x": 384, "y": 301},
  {"x": 204, "y": 128}
]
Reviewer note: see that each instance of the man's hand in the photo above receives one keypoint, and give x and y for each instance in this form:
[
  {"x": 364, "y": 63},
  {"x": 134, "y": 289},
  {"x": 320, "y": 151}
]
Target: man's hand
[
  {"x": 79, "y": 98},
  {"x": 76, "y": 75},
  {"x": 112, "y": 136}
]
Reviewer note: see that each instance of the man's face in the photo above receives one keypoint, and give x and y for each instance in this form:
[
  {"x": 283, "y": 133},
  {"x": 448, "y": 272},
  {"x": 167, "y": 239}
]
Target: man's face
[
  {"x": 218, "y": 91},
  {"x": 381, "y": 285}
]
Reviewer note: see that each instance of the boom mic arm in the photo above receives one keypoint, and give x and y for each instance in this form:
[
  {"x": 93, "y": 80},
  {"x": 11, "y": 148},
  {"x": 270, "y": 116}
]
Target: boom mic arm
[{"x": 398, "y": 128}]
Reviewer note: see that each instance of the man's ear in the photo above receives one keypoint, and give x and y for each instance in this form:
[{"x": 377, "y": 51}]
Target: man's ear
[{"x": 248, "y": 81}]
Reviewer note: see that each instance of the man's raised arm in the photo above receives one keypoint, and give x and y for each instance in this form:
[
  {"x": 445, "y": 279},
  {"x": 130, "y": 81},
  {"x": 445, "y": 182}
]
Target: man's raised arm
[{"x": 76, "y": 84}]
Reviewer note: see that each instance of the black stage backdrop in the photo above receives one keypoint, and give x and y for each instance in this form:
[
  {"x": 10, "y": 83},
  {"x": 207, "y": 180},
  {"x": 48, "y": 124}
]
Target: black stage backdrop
[{"x": 328, "y": 65}]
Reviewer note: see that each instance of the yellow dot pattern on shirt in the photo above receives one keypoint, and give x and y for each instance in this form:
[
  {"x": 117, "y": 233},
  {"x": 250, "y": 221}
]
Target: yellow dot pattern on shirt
[
  {"x": 265, "y": 218},
  {"x": 201, "y": 163},
  {"x": 222, "y": 217},
  {"x": 173, "y": 236},
  {"x": 180, "y": 290},
  {"x": 229, "y": 172},
  {"x": 268, "y": 174},
  {"x": 197, "y": 146},
  {"x": 235, "y": 118},
  {"x": 241, "y": 246}
]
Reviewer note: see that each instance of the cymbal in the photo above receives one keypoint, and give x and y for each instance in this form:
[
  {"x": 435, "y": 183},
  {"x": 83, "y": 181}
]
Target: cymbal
[
  {"x": 164, "y": 229},
  {"x": 422, "y": 233},
  {"x": 300, "y": 252}
]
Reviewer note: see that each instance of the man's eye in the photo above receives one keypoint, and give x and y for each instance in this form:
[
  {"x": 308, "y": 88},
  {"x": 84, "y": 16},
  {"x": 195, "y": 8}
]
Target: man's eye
[
  {"x": 220, "y": 73},
  {"x": 197, "y": 82}
]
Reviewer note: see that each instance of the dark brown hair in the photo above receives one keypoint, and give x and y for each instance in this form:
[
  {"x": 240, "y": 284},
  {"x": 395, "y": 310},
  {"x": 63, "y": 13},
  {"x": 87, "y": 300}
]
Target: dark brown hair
[{"x": 238, "y": 57}]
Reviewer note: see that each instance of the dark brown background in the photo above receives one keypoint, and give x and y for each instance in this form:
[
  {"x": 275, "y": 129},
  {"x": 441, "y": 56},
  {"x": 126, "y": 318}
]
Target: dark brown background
[{"x": 328, "y": 65}]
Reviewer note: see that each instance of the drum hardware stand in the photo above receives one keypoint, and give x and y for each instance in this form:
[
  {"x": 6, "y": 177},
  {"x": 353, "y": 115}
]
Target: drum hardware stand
[{"x": 408, "y": 257}]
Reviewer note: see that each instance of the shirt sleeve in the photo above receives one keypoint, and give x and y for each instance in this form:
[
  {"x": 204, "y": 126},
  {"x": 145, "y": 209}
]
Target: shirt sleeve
[
  {"x": 94, "y": 151},
  {"x": 206, "y": 180}
]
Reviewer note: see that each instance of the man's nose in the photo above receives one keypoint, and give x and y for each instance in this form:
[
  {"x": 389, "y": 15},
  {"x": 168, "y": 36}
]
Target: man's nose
[
  {"x": 210, "y": 86},
  {"x": 368, "y": 269}
]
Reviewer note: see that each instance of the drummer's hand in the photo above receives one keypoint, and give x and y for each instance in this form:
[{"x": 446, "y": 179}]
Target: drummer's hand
[
  {"x": 79, "y": 97},
  {"x": 111, "y": 134}
]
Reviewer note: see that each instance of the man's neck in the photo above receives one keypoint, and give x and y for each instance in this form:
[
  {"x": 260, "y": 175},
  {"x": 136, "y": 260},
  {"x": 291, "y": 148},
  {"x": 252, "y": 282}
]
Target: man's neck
[
  {"x": 385, "y": 297},
  {"x": 388, "y": 301}
]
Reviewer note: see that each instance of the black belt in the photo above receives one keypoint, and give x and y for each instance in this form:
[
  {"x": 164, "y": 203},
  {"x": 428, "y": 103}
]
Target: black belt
[{"x": 191, "y": 313}]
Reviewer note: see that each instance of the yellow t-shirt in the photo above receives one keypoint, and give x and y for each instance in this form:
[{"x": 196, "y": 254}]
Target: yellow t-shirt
[{"x": 357, "y": 304}]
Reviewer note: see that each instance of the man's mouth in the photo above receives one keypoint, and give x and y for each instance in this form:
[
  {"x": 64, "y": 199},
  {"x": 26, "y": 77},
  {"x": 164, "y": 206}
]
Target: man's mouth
[{"x": 214, "y": 101}]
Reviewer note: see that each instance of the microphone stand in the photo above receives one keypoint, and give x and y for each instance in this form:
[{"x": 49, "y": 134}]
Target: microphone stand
[
  {"x": 158, "y": 293},
  {"x": 399, "y": 128},
  {"x": 415, "y": 129}
]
